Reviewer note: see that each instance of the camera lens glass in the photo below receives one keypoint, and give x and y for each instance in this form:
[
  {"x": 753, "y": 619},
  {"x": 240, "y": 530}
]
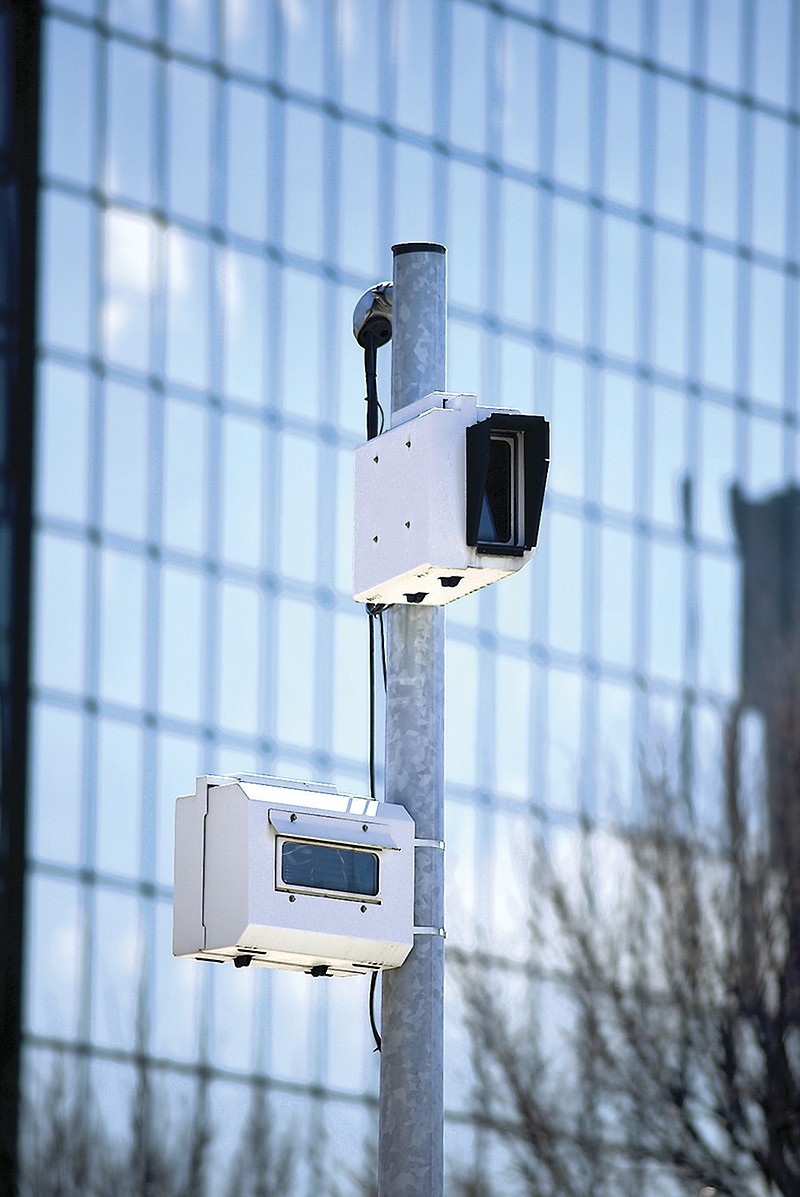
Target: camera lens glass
[
  {"x": 318, "y": 866},
  {"x": 497, "y": 512}
]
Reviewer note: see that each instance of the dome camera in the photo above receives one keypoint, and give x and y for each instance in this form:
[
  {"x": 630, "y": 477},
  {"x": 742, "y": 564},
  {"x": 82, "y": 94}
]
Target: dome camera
[{"x": 372, "y": 317}]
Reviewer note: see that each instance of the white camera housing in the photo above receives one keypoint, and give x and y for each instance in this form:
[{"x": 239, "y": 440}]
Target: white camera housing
[
  {"x": 292, "y": 875},
  {"x": 420, "y": 508}
]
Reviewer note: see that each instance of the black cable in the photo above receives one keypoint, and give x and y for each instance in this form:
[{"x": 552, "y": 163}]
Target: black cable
[
  {"x": 371, "y": 373},
  {"x": 375, "y": 1032},
  {"x": 383, "y": 648},
  {"x": 371, "y": 706}
]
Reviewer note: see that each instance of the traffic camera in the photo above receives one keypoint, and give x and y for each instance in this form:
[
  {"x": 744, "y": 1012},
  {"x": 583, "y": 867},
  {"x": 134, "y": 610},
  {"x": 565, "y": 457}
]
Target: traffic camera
[
  {"x": 447, "y": 501},
  {"x": 292, "y": 874}
]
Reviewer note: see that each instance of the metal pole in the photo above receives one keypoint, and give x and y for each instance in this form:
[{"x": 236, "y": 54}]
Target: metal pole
[{"x": 411, "y": 1133}]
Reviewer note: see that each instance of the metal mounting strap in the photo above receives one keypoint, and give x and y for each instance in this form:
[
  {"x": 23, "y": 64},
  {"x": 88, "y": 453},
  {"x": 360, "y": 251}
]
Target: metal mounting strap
[
  {"x": 429, "y": 844},
  {"x": 430, "y": 931}
]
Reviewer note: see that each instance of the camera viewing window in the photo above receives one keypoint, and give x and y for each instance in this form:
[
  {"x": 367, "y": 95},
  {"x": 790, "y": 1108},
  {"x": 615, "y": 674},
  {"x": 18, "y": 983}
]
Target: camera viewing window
[
  {"x": 329, "y": 867},
  {"x": 498, "y": 519}
]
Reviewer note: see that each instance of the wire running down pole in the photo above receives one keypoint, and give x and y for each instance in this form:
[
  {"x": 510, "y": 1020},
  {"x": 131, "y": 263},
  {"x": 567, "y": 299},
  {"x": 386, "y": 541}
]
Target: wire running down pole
[{"x": 411, "y": 1134}]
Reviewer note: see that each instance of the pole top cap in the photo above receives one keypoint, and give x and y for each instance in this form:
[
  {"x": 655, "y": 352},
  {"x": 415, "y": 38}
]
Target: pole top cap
[{"x": 418, "y": 247}]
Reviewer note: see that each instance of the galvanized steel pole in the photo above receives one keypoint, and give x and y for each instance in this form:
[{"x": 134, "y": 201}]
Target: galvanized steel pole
[{"x": 411, "y": 1135}]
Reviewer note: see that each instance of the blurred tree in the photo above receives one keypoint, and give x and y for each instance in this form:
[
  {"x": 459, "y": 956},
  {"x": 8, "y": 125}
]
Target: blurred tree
[
  {"x": 68, "y": 1151},
  {"x": 679, "y": 1068}
]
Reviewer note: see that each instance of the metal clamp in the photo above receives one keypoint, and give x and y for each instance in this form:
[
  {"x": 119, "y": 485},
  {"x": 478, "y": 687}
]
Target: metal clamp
[
  {"x": 439, "y": 844},
  {"x": 430, "y": 931}
]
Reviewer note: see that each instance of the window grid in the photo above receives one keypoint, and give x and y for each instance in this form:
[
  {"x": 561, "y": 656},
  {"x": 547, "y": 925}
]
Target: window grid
[{"x": 328, "y": 431}]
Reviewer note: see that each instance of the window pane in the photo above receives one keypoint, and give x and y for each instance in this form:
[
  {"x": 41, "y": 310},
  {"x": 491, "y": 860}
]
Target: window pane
[
  {"x": 120, "y": 785},
  {"x": 572, "y": 114},
  {"x": 244, "y": 279},
  {"x": 188, "y": 154},
  {"x": 130, "y": 278},
  {"x": 126, "y": 460},
  {"x": 183, "y": 647},
  {"x": 122, "y": 628},
  {"x": 246, "y": 172},
  {"x": 60, "y": 586},
  {"x": 131, "y": 117},
  {"x": 69, "y": 79},
  {"x": 63, "y": 443},
  {"x": 57, "y": 784},
  {"x": 67, "y": 254}
]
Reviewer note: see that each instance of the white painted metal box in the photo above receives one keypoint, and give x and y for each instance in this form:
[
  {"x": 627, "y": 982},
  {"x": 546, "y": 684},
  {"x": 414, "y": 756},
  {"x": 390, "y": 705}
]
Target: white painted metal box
[
  {"x": 413, "y": 543},
  {"x": 292, "y": 875}
]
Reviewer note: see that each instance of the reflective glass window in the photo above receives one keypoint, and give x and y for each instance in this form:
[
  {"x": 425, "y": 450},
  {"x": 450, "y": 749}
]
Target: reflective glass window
[
  {"x": 183, "y": 650},
  {"x": 573, "y": 75},
  {"x": 512, "y": 739},
  {"x": 246, "y": 170},
  {"x": 120, "y": 786},
  {"x": 519, "y": 84},
  {"x": 54, "y": 943},
  {"x": 62, "y": 476},
  {"x": 61, "y": 602},
  {"x": 773, "y": 39},
  {"x": 670, "y": 294},
  {"x": 620, "y": 238},
  {"x": 127, "y": 460},
  {"x": 468, "y": 96},
  {"x": 519, "y": 274},
  {"x": 361, "y": 218},
  {"x": 623, "y": 88},
  {"x": 466, "y": 231},
  {"x": 66, "y": 318},
  {"x": 129, "y": 285},
  {"x": 674, "y": 33},
  {"x": 769, "y": 184},
  {"x": 243, "y": 505},
  {"x": 717, "y": 469},
  {"x": 122, "y": 627},
  {"x": 568, "y": 386},
  {"x": 294, "y": 684},
  {"x": 719, "y": 312},
  {"x": 571, "y": 226},
  {"x": 69, "y": 96},
  {"x": 188, "y": 309},
  {"x": 185, "y": 438},
  {"x": 189, "y": 142},
  {"x": 724, "y": 41},
  {"x": 673, "y": 115},
  {"x": 667, "y": 610},
  {"x": 619, "y": 449},
  {"x": 298, "y": 507},
  {"x": 563, "y": 743},
  {"x": 246, "y": 34},
  {"x": 721, "y": 166},
  {"x": 413, "y": 42},
  {"x": 130, "y": 151},
  {"x": 719, "y": 624},
  {"x": 244, "y": 298},
  {"x": 564, "y": 555},
  {"x": 240, "y": 657},
  {"x": 57, "y": 784},
  {"x": 616, "y": 597},
  {"x": 767, "y": 307},
  {"x": 461, "y": 713}
]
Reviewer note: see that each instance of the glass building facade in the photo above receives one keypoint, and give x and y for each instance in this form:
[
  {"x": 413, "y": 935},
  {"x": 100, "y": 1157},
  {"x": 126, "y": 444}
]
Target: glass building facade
[{"x": 617, "y": 183}]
